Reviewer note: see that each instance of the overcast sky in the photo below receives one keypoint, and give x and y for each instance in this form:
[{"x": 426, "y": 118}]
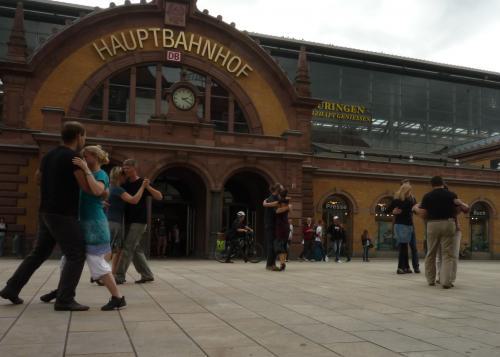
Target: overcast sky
[{"x": 459, "y": 32}]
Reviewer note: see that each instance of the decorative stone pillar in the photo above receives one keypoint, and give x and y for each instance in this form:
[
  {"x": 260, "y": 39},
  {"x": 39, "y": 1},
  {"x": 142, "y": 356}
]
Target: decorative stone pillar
[{"x": 215, "y": 221}]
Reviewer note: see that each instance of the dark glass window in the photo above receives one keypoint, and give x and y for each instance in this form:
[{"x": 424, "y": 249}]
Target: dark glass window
[
  {"x": 145, "y": 99},
  {"x": 119, "y": 92},
  {"x": 94, "y": 107},
  {"x": 219, "y": 107},
  {"x": 410, "y": 113},
  {"x": 145, "y": 93}
]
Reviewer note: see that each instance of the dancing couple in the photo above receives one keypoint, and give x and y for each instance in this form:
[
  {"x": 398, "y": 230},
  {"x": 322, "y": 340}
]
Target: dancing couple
[{"x": 276, "y": 226}]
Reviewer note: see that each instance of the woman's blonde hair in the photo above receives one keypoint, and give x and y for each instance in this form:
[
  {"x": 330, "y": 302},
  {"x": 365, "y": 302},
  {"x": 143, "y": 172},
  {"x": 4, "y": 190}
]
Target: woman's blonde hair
[
  {"x": 98, "y": 152},
  {"x": 115, "y": 175},
  {"x": 404, "y": 191}
]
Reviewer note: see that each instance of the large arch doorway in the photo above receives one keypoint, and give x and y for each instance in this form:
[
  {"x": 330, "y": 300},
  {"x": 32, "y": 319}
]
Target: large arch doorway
[
  {"x": 340, "y": 206},
  {"x": 479, "y": 230},
  {"x": 181, "y": 215},
  {"x": 245, "y": 191}
]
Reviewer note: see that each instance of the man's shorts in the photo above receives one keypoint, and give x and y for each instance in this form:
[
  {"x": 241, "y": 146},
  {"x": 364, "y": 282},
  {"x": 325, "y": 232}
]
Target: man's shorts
[{"x": 98, "y": 266}]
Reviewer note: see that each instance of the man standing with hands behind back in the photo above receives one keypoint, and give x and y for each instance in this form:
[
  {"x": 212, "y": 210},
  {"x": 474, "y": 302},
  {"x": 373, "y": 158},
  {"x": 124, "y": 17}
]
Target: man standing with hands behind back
[{"x": 135, "y": 226}]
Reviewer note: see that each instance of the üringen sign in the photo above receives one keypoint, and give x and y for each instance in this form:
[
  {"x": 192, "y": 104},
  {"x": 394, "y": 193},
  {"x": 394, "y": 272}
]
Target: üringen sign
[{"x": 341, "y": 111}]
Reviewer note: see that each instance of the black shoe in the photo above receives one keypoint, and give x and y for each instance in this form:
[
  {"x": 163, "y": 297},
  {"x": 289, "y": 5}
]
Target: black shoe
[
  {"x": 416, "y": 271},
  {"x": 120, "y": 281},
  {"x": 408, "y": 271},
  {"x": 229, "y": 262},
  {"x": 273, "y": 268},
  {"x": 97, "y": 281},
  {"x": 115, "y": 303},
  {"x": 144, "y": 280},
  {"x": 348, "y": 260},
  {"x": 70, "y": 306},
  {"x": 15, "y": 299},
  {"x": 49, "y": 297},
  {"x": 400, "y": 271}
]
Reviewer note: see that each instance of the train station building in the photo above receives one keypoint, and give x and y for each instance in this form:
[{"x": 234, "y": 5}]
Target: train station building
[{"x": 214, "y": 115}]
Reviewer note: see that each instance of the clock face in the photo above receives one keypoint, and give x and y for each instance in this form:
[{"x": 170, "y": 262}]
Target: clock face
[{"x": 184, "y": 98}]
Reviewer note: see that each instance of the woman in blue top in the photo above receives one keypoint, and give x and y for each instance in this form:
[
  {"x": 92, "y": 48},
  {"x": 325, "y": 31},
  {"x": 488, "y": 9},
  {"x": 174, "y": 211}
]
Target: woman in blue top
[{"x": 94, "y": 224}]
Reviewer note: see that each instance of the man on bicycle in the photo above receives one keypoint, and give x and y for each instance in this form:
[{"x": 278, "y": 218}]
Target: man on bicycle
[{"x": 237, "y": 231}]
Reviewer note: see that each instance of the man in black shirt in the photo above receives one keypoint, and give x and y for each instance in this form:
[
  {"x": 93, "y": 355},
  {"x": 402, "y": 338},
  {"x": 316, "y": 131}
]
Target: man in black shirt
[
  {"x": 337, "y": 236},
  {"x": 135, "y": 226},
  {"x": 438, "y": 207},
  {"x": 270, "y": 204},
  {"x": 60, "y": 182}
]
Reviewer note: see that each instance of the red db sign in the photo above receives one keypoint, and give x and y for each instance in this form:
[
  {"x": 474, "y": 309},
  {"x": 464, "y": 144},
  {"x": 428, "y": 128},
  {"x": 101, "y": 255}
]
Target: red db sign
[{"x": 174, "y": 56}]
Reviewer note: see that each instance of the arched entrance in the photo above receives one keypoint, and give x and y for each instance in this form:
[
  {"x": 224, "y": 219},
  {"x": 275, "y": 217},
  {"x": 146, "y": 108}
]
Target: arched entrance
[
  {"x": 479, "y": 230},
  {"x": 340, "y": 206},
  {"x": 245, "y": 191},
  {"x": 183, "y": 213},
  {"x": 385, "y": 234}
]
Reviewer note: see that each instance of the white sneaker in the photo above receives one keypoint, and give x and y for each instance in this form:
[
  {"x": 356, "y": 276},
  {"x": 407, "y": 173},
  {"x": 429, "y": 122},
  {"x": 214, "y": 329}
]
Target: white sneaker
[
  {"x": 326, "y": 259},
  {"x": 340, "y": 261}
]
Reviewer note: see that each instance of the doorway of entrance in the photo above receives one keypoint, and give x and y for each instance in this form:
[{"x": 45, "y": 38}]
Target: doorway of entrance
[
  {"x": 479, "y": 232},
  {"x": 245, "y": 191},
  {"x": 178, "y": 221}
]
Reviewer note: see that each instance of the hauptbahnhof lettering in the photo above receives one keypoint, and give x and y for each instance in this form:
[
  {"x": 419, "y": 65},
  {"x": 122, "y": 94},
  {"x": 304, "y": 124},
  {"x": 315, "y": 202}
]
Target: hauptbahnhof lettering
[{"x": 339, "y": 127}]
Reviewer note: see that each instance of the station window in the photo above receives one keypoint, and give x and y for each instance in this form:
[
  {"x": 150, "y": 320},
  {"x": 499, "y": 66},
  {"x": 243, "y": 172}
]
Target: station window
[
  {"x": 385, "y": 233},
  {"x": 136, "y": 89}
]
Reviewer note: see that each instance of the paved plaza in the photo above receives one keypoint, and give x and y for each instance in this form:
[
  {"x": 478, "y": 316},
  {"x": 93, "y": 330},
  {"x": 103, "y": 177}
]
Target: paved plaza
[{"x": 200, "y": 308}]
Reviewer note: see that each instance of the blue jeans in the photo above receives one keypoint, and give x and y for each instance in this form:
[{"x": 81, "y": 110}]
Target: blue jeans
[
  {"x": 366, "y": 248},
  {"x": 337, "y": 246},
  {"x": 414, "y": 252}
]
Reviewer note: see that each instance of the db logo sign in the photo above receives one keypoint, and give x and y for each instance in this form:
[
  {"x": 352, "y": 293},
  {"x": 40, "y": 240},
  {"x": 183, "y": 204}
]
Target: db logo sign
[{"x": 174, "y": 56}]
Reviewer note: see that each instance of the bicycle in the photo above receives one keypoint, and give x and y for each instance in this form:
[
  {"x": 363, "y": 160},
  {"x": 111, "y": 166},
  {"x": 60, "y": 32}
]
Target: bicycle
[{"x": 245, "y": 247}]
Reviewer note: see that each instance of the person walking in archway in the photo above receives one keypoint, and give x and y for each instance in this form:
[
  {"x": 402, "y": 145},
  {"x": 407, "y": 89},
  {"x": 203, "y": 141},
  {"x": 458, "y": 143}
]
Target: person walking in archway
[
  {"x": 270, "y": 204},
  {"x": 366, "y": 242},
  {"x": 308, "y": 236},
  {"x": 60, "y": 182},
  {"x": 135, "y": 226},
  {"x": 338, "y": 237}
]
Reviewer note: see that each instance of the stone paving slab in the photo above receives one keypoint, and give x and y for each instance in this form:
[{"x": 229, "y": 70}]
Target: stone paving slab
[{"x": 204, "y": 308}]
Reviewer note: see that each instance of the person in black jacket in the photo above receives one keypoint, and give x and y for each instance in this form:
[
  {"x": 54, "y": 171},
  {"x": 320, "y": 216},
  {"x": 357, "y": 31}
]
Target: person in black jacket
[{"x": 337, "y": 234}]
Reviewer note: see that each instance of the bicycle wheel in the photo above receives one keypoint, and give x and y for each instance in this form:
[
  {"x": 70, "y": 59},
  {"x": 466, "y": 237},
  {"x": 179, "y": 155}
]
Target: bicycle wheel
[{"x": 255, "y": 253}]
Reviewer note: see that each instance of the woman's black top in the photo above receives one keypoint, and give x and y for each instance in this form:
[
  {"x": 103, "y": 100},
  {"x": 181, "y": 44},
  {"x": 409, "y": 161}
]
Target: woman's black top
[{"x": 405, "y": 217}]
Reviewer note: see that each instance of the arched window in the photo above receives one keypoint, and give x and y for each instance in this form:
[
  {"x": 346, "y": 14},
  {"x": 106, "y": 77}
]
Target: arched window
[
  {"x": 135, "y": 94},
  {"x": 385, "y": 235},
  {"x": 479, "y": 222}
]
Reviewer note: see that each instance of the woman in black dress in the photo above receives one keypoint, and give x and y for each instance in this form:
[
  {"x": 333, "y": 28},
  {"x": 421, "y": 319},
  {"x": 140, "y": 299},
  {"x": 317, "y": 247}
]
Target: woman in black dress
[{"x": 282, "y": 228}]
